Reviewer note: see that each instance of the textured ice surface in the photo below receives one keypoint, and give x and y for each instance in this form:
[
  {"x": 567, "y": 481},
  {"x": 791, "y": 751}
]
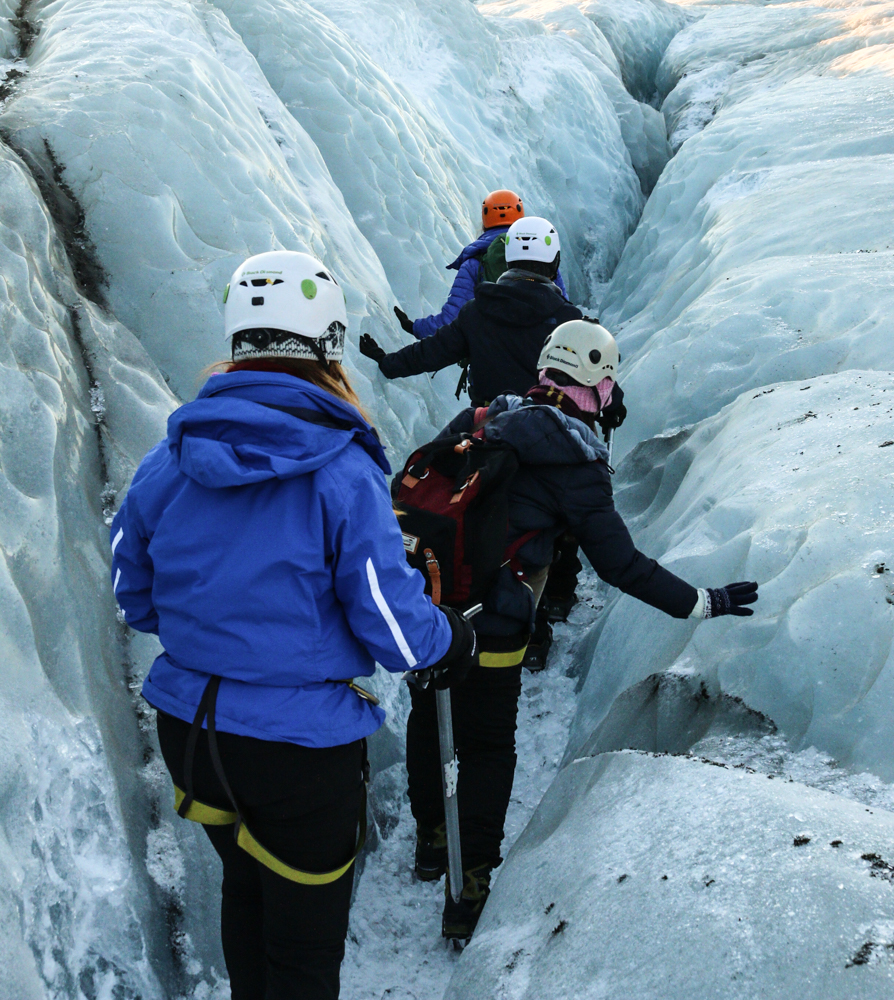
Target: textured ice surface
[
  {"x": 171, "y": 138},
  {"x": 170, "y": 125},
  {"x": 147, "y": 148},
  {"x": 765, "y": 253},
  {"x": 764, "y": 258},
  {"x": 80, "y": 402},
  {"x": 657, "y": 876},
  {"x": 791, "y": 486}
]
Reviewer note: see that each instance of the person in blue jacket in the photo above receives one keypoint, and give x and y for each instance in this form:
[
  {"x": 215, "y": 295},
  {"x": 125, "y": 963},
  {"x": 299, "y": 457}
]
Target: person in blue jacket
[
  {"x": 498, "y": 211},
  {"x": 259, "y": 543}
]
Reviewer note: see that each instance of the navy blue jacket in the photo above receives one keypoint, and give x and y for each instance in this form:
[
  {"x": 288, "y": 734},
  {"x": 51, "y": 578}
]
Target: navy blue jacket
[
  {"x": 470, "y": 273},
  {"x": 259, "y": 542},
  {"x": 563, "y": 484},
  {"x": 501, "y": 331}
]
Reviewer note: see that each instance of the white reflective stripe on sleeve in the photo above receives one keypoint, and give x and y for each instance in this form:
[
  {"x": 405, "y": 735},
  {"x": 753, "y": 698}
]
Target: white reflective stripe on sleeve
[
  {"x": 382, "y": 605},
  {"x": 117, "y": 578},
  {"x": 118, "y": 538}
]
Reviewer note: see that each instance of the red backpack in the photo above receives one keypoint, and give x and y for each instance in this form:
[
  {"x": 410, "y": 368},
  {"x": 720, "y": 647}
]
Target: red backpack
[{"x": 453, "y": 499}]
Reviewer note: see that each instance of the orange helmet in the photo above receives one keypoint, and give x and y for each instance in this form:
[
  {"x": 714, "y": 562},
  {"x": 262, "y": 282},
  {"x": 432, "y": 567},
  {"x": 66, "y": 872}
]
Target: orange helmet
[{"x": 501, "y": 208}]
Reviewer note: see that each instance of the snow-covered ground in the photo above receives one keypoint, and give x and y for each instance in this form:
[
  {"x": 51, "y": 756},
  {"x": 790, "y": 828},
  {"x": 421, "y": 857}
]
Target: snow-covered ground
[{"x": 147, "y": 147}]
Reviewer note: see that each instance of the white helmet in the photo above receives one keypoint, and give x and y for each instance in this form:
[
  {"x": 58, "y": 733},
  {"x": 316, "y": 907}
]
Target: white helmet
[
  {"x": 289, "y": 292},
  {"x": 582, "y": 349},
  {"x": 532, "y": 238}
]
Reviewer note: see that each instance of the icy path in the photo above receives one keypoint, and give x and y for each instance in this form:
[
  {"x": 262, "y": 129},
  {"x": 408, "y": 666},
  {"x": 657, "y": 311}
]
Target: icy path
[{"x": 395, "y": 950}]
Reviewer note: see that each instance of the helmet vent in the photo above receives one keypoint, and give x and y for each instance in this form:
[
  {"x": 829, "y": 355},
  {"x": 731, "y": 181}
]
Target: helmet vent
[
  {"x": 257, "y": 300},
  {"x": 260, "y": 282},
  {"x": 325, "y": 277},
  {"x": 595, "y": 357}
]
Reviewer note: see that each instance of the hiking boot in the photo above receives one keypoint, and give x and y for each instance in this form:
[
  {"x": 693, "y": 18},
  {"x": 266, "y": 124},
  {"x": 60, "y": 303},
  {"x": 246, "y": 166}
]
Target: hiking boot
[
  {"x": 431, "y": 853},
  {"x": 559, "y": 608},
  {"x": 541, "y": 640},
  {"x": 460, "y": 918},
  {"x": 537, "y": 652}
]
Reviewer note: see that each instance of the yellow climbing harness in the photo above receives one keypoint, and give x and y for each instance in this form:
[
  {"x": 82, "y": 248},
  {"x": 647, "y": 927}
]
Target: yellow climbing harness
[
  {"x": 510, "y": 659},
  {"x": 190, "y": 808}
]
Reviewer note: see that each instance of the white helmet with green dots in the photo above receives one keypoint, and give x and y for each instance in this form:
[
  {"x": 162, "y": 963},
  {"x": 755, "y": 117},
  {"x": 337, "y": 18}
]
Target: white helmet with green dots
[
  {"x": 285, "y": 304},
  {"x": 532, "y": 238}
]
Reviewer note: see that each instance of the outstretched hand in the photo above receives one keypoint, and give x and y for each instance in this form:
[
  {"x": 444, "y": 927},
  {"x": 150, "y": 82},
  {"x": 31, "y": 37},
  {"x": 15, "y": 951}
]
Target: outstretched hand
[
  {"x": 731, "y": 600},
  {"x": 403, "y": 319},
  {"x": 370, "y": 349}
]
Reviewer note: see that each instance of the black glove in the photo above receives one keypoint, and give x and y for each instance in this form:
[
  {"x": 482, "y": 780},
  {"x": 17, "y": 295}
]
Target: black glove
[
  {"x": 455, "y": 664},
  {"x": 403, "y": 319},
  {"x": 370, "y": 349},
  {"x": 612, "y": 415},
  {"x": 729, "y": 600}
]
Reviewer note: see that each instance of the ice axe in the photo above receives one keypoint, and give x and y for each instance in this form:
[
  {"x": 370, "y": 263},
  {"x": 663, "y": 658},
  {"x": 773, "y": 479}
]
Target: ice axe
[
  {"x": 449, "y": 772},
  {"x": 609, "y": 441}
]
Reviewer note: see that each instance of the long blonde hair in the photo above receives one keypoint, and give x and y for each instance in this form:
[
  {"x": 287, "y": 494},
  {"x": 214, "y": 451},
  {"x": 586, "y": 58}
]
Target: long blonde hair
[{"x": 330, "y": 376}]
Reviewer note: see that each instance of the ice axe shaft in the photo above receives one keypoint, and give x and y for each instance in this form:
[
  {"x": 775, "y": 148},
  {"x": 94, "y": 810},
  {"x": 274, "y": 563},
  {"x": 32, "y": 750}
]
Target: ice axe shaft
[
  {"x": 449, "y": 775},
  {"x": 609, "y": 441},
  {"x": 449, "y": 770}
]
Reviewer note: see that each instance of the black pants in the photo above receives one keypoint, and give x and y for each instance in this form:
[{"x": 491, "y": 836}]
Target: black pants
[
  {"x": 281, "y": 940},
  {"x": 485, "y": 708}
]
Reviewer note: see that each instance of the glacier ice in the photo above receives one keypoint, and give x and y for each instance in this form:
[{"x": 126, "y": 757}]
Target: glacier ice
[
  {"x": 80, "y": 403},
  {"x": 146, "y": 147},
  {"x": 765, "y": 253},
  {"x": 648, "y": 875},
  {"x": 763, "y": 260},
  {"x": 751, "y": 307},
  {"x": 144, "y": 150},
  {"x": 790, "y": 485}
]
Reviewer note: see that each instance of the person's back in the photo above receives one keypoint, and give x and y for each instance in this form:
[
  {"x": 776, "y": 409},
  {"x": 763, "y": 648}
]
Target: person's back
[
  {"x": 502, "y": 329},
  {"x": 562, "y": 484},
  {"x": 480, "y": 260},
  {"x": 259, "y": 543}
]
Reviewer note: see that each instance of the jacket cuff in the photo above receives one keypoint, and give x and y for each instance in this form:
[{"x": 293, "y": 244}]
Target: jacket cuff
[{"x": 702, "y": 607}]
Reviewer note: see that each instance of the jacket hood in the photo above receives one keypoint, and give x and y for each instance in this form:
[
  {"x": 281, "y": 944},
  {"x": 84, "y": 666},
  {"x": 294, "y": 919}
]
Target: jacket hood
[
  {"x": 542, "y": 435},
  {"x": 477, "y": 246},
  {"x": 525, "y": 302},
  {"x": 246, "y": 427}
]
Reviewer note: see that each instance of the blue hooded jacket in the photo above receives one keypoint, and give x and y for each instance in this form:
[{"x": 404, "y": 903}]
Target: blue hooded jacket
[
  {"x": 469, "y": 270},
  {"x": 259, "y": 542}
]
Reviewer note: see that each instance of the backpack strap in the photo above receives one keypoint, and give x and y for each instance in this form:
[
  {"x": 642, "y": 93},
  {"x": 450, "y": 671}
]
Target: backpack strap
[
  {"x": 512, "y": 550},
  {"x": 463, "y": 382},
  {"x": 479, "y": 419}
]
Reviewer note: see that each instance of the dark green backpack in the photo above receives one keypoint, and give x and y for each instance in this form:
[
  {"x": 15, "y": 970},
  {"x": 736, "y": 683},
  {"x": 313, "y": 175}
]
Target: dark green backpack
[{"x": 493, "y": 260}]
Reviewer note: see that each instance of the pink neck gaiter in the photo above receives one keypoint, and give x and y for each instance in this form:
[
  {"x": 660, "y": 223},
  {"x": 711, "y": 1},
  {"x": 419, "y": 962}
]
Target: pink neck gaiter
[{"x": 584, "y": 397}]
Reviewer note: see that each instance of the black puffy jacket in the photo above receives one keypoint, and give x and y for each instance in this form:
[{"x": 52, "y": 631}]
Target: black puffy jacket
[
  {"x": 563, "y": 483},
  {"x": 501, "y": 331}
]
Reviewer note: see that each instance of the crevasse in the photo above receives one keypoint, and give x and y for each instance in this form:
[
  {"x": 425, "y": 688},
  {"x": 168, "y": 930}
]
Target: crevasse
[{"x": 146, "y": 148}]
